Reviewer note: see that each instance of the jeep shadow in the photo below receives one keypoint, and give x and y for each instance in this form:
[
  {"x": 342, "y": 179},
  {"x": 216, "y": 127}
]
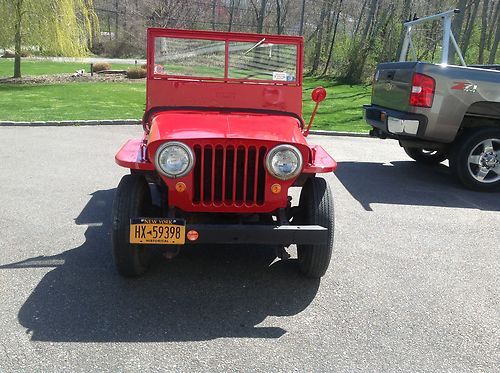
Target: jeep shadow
[{"x": 204, "y": 293}]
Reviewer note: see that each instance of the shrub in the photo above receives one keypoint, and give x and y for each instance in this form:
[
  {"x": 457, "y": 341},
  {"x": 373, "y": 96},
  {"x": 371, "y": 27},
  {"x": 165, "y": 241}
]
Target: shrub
[
  {"x": 101, "y": 66},
  {"x": 25, "y": 53},
  {"x": 136, "y": 73},
  {"x": 144, "y": 66},
  {"x": 8, "y": 54}
]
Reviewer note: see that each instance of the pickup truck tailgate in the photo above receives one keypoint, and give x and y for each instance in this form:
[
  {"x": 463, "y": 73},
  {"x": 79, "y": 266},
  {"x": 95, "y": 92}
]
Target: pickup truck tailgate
[{"x": 392, "y": 85}]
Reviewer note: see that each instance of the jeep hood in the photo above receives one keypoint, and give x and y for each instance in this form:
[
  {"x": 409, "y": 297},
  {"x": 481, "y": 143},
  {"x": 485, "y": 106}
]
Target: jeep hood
[{"x": 192, "y": 125}]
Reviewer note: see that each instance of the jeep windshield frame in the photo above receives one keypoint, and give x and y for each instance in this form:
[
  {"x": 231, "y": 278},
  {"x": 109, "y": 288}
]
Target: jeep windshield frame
[{"x": 229, "y": 57}]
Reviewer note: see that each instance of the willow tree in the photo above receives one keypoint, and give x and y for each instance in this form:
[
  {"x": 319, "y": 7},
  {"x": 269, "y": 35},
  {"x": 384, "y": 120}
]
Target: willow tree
[{"x": 57, "y": 27}]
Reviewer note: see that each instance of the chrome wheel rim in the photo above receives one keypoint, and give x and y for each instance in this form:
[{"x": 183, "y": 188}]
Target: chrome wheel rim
[{"x": 484, "y": 161}]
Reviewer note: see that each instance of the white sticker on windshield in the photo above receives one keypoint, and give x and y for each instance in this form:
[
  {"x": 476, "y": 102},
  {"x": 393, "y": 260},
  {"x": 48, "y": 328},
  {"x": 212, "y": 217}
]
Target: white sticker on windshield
[{"x": 279, "y": 76}]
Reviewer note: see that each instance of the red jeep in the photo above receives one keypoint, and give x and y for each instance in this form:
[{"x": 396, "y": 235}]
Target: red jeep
[{"x": 223, "y": 142}]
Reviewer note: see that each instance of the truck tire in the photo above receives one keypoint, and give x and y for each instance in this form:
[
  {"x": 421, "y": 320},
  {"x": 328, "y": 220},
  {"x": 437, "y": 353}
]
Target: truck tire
[
  {"x": 132, "y": 200},
  {"x": 476, "y": 159},
  {"x": 426, "y": 156},
  {"x": 316, "y": 208}
]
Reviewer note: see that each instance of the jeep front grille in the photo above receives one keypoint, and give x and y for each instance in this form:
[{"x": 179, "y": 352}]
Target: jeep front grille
[{"x": 229, "y": 174}]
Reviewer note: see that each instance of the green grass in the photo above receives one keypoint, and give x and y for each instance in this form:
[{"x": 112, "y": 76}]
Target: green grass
[
  {"x": 342, "y": 108},
  {"x": 37, "y": 67},
  {"x": 341, "y": 111},
  {"x": 71, "y": 101}
]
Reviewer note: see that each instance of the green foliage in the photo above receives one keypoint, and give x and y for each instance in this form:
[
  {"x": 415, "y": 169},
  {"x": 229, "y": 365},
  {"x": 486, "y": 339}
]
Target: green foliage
[{"x": 55, "y": 27}]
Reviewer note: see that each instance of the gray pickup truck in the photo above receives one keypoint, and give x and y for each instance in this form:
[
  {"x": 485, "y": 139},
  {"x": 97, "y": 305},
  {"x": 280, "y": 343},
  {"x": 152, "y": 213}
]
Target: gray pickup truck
[{"x": 438, "y": 112}]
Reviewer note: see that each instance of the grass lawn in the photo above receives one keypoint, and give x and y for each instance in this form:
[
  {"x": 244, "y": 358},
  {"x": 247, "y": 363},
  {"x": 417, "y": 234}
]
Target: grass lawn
[
  {"x": 342, "y": 108},
  {"x": 37, "y": 67},
  {"x": 341, "y": 111},
  {"x": 71, "y": 101}
]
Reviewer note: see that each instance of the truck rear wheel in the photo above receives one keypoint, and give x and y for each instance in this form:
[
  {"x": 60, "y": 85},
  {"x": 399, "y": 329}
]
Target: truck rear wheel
[
  {"x": 132, "y": 200},
  {"x": 426, "y": 156},
  {"x": 476, "y": 159},
  {"x": 316, "y": 208}
]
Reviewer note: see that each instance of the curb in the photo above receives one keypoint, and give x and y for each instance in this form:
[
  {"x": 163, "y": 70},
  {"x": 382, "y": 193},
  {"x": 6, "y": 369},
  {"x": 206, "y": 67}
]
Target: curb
[
  {"x": 121, "y": 122},
  {"x": 71, "y": 123}
]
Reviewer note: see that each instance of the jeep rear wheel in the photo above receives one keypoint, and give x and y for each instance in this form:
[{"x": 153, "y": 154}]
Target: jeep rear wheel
[
  {"x": 132, "y": 200},
  {"x": 476, "y": 160},
  {"x": 316, "y": 208},
  {"x": 426, "y": 156}
]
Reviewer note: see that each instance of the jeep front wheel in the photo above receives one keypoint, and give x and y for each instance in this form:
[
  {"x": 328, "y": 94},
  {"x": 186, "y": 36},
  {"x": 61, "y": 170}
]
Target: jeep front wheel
[
  {"x": 316, "y": 208},
  {"x": 132, "y": 200},
  {"x": 476, "y": 160},
  {"x": 426, "y": 156}
]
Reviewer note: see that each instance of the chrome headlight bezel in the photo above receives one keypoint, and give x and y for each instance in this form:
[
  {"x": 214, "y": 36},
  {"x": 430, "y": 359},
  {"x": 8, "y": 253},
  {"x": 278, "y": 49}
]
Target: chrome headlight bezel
[
  {"x": 280, "y": 148},
  {"x": 189, "y": 154}
]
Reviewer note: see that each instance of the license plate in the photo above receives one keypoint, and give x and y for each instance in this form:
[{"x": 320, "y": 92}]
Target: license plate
[{"x": 157, "y": 231}]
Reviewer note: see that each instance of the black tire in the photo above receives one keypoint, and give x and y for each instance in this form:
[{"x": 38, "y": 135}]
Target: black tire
[
  {"x": 426, "y": 156},
  {"x": 471, "y": 146},
  {"x": 132, "y": 200},
  {"x": 316, "y": 208}
]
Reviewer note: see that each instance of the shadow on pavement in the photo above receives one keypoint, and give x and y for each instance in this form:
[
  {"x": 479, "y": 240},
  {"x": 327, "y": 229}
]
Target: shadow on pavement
[
  {"x": 204, "y": 293},
  {"x": 410, "y": 183}
]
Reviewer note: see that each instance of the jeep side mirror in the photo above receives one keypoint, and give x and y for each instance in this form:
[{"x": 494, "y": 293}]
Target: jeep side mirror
[{"x": 318, "y": 94}]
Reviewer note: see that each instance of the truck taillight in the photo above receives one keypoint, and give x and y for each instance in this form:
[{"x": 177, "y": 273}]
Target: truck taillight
[{"x": 423, "y": 88}]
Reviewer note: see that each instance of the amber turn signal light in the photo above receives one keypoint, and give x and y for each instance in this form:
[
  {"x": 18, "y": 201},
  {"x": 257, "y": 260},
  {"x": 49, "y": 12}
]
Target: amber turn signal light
[
  {"x": 180, "y": 187},
  {"x": 192, "y": 235},
  {"x": 275, "y": 188}
]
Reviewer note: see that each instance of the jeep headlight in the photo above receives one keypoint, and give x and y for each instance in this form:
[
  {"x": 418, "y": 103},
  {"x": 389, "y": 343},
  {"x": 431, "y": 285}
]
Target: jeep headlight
[
  {"x": 284, "y": 162},
  {"x": 174, "y": 159}
]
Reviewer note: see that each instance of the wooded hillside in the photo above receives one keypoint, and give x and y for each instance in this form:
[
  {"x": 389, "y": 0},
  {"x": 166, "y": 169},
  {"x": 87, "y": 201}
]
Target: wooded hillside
[{"x": 344, "y": 38}]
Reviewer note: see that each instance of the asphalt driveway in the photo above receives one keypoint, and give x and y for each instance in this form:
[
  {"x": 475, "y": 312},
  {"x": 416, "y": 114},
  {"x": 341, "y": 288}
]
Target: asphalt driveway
[{"x": 413, "y": 284}]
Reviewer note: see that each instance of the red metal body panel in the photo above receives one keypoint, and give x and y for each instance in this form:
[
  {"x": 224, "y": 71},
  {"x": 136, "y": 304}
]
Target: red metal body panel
[
  {"x": 230, "y": 124},
  {"x": 131, "y": 156}
]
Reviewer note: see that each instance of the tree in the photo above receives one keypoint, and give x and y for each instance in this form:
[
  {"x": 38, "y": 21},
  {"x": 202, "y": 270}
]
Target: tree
[{"x": 54, "y": 26}]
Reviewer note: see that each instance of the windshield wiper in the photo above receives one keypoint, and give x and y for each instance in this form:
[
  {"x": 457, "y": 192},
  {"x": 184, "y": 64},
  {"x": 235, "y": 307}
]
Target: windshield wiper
[{"x": 255, "y": 46}]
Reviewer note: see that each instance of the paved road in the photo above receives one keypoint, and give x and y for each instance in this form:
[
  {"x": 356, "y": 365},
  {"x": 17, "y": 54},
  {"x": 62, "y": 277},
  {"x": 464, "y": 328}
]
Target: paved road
[{"x": 413, "y": 285}]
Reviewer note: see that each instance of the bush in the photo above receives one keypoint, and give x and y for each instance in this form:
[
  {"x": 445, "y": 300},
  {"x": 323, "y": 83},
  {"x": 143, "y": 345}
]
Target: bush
[
  {"x": 101, "y": 66},
  {"x": 8, "y": 54},
  {"x": 25, "y": 53},
  {"x": 144, "y": 66},
  {"x": 136, "y": 73}
]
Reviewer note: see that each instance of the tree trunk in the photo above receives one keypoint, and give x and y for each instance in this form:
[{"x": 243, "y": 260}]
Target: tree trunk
[
  {"x": 260, "y": 19},
  {"x": 471, "y": 20},
  {"x": 494, "y": 48},
  {"x": 17, "y": 38},
  {"x": 231, "y": 13},
  {"x": 369, "y": 19},
  {"x": 213, "y": 14},
  {"x": 457, "y": 29},
  {"x": 301, "y": 29},
  {"x": 332, "y": 43},
  {"x": 319, "y": 40},
  {"x": 484, "y": 25},
  {"x": 406, "y": 8},
  {"x": 361, "y": 14},
  {"x": 278, "y": 17},
  {"x": 492, "y": 23}
]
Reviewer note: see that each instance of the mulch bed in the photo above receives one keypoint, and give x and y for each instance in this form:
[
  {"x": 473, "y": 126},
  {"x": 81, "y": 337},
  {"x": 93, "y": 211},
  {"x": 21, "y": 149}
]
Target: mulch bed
[{"x": 68, "y": 78}]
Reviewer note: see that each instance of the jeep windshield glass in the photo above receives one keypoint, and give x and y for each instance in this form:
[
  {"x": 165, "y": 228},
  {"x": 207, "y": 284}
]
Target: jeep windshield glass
[
  {"x": 264, "y": 61},
  {"x": 189, "y": 57},
  {"x": 258, "y": 61}
]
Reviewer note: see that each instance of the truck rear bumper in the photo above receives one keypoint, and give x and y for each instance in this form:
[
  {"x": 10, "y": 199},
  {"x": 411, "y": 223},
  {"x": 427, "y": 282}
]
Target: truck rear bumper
[
  {"x": 257, "y": 234},
  {"x": 394, "y": 124}
]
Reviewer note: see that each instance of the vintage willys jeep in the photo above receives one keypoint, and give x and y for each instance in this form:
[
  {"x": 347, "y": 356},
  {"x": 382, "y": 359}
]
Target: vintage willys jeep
[{"x": 223, "y": 142}]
